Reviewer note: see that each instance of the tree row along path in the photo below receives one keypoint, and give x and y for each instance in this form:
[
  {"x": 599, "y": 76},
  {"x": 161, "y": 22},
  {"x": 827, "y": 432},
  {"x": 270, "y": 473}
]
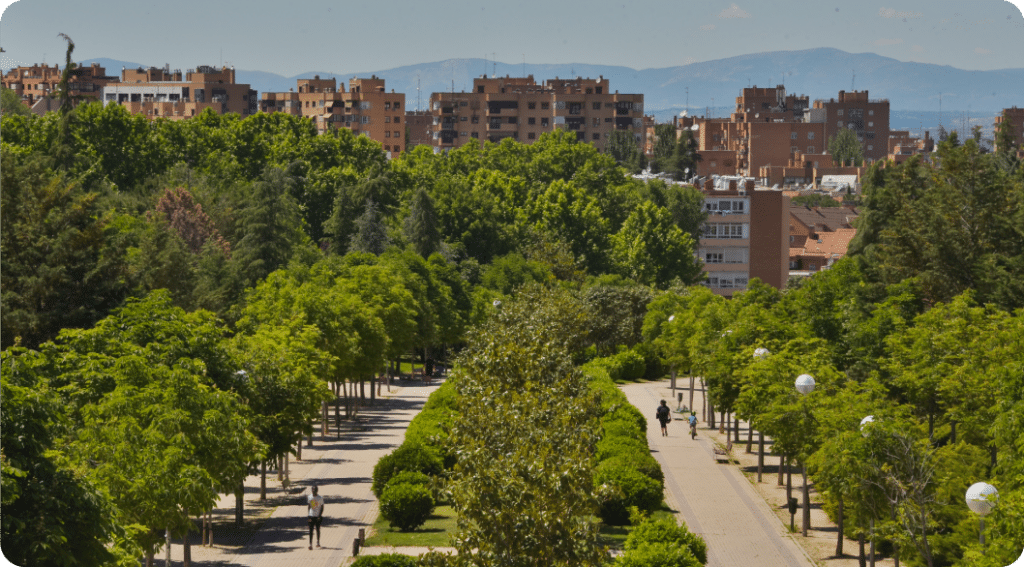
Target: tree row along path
[
  {"x": 342, "y": 468},
  {"x": 715, "y": 500}
]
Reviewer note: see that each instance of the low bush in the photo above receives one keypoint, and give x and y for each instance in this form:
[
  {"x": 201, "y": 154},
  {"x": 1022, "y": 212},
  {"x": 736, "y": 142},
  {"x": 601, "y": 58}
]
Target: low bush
[
  {"x": 618, "y": 427},
  {"x": 408, "y": 457},
  {"x": 642, "y": 462},
  {"x": 626, "y": 411},
  {"x": 666, "y": 531},
  {"x": 631, "y": 365},
  {"x": 406, "y": 505},
  {"x": 629, "y": 488},
  {"x": 385, "y": 560},
  {"x": 614, "y": 446},
  {"x": 658, "y": 555}
]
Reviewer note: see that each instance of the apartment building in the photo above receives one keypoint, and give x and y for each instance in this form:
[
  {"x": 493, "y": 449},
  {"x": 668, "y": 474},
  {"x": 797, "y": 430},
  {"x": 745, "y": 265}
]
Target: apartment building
[
  {"x": 519, "y": 108},
  {"x": 161, "y": 93},
  {"x": 1015, "y": 116},
  {"x": 366, "y": 108},
  {"x": 854, "y": 110},
  {"x": 420, "y": 126},
  {"x": 903, "y": 146},
  {"x": 745, "y": 236},
  {"x": 33, "y": 84}
]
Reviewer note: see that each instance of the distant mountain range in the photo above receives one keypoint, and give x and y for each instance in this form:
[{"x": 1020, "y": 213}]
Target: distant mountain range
[{"x": 819, "y": 73}]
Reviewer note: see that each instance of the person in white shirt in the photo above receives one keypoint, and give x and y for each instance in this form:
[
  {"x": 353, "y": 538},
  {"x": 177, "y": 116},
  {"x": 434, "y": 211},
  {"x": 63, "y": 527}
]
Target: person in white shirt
[{"x": 316, "y": 514}]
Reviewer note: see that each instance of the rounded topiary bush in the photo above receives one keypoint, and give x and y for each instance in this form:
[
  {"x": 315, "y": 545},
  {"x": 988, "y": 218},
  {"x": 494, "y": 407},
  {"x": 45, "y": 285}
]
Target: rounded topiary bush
[
  {"x": 406, "y": 505},
  {"x": 658, "y": 555},
  {"x": 408, "y": 457},
  {"x": 666, "y": 531},
  {"x": 632, "y": 365},
  {"x": 629, "y": 487},
  {"x": 385, "y": 560},
  {"x": 625, "y": 411},
  {"x": 643, "y": 462}
]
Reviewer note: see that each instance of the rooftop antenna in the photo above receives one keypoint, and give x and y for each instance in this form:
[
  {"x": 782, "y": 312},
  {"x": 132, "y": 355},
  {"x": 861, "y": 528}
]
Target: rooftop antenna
[
  {"x": 418, "y": 91},
  {"x": 494, "y": 60},
  {"x": 687, "y": 98},
  {"x": 853, "y": 80}
]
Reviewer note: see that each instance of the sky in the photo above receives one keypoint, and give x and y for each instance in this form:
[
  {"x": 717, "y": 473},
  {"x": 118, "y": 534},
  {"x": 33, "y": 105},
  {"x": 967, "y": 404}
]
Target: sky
[{"x": 291, "y": 38}]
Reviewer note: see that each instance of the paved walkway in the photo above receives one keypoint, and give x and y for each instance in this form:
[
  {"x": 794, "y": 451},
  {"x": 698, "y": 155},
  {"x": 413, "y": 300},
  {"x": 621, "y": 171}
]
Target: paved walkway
[
  {"x": 342, "y": 468},
  {"x": 715, "y": 500}
]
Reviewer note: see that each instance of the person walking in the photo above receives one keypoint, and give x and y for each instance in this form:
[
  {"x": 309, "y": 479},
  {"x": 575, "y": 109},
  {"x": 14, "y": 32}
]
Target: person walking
[
  {"x": 664, "y": 417},
  {"x": 693, "y": 425},
  {"x": 315, "y": 505}
]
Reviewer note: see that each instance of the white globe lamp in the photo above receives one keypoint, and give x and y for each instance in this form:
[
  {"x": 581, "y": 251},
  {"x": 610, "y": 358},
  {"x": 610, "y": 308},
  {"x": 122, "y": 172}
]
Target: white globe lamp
[{"x": 805, "y": 384}]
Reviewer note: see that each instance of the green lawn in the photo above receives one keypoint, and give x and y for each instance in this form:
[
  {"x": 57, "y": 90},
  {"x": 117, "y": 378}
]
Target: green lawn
[{"x": 434, "y": 533}]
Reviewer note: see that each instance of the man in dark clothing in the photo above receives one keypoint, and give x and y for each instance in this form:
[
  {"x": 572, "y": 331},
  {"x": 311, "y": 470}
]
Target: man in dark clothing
[{"x": 664, "y": 417}]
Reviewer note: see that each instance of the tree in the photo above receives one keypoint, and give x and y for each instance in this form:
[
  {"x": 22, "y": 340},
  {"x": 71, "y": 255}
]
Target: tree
[
  {"x": 652, "y": 250},
  {"x": 59, "y": 267},
  {"x": 1006, "y": 138},
  {"x": 10, "y": 104},
  {"x": 622, "y": 146},
  {"x": 421, "y": 226},
  {"x": 685, "y": 158},
  {"x": 845, "y": 148},
  {"x": 370, "y": 236},
  {"x": 664, "y": 148},
  {"x": 269, "y": 227}
]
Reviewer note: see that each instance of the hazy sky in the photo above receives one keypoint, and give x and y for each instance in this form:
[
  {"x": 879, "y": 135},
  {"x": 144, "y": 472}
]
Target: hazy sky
[{"x": 289, "y": 38}]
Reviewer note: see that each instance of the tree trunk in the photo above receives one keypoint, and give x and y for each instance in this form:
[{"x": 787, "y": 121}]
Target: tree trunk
[
  {"x": 362, "y": 392},
  {"x": 896, "y": 554},
  {"x": 750, "y": 438},
  {"x": 924, "y": 540},
  {"x": 167, "y": 552},
  {"x": 239, "y": 504},
  {"x": 704, "y": 402},
  {"x": 691, "y": 391},
  {"x": 871, "y": 544},
  {"x": 149, "y": 558},
  {"x": 280, "y": 467},
  {"x": 860, "y": 542},
  {"x": 298, "y": 449},
  {"x": 287, "y": 479},
  {"x": 760, "y": 455},
  {"x": 839, "y": 526},
  {"x": 736, "y": 432},
  {"x": 807, "y": 500},
  {"x": 186, "y": 546},
  {"x": 782, "y": 468},
  {"x": 323, "y": 421},
  {"x": 263, "y": 480},
  {"x": 722, "y": 423}
]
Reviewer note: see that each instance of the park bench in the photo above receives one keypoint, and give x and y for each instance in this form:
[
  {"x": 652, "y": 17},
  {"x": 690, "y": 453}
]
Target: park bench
[{"x": 723, "y": 454}]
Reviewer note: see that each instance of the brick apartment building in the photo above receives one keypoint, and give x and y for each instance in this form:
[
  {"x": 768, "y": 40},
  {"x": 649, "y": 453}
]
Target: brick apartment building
[
  {"x": 819, "y": 236},
  {"x": 420, "y": 126},
  {"x": 1015, "y": 116},
  {"x": 854, "y": 110},
  {"x": 780, "y": 139},
  {"x": 366, "y": 108},
  {"x": 744, "y": 237},
  {"x": 34, "y": 84},
  {"x": 156, "y": 92},
  {"x": 519, "y": 108}
]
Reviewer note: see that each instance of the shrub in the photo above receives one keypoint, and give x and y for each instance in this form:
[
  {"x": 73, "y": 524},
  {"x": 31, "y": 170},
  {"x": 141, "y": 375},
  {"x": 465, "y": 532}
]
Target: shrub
[
  {"x": 658, "y": 555},
  {"x": 614, "y": 426},
  {"x": 614, "y": 446},
  {"x": 408, "y": 457},
  {"x": 642, "y": 462},
  {"x": 666, "y": 531},
  {"x": 430, "y": 428},
  {"x": 385, "y": 560},
  {"x": 631, "y": 365},
  {"x": 406, "y": 505},
  {"x": 409, "y": 477},
  {"x": 626, "y": 411},
  {"x": 630, "y": 488}
]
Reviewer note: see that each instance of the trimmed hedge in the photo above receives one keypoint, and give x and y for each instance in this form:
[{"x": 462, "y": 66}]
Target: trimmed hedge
[
  {"x": 407, "y": 457},
  {"x": 406, "y": 506},
  {"x": 642, "y": 462},
  {"x": 666, "y": 531},
  {"x": 658, "y": 555},
  {"x": 614, "y": 446},
  {"x": 632, "y": 488},
  {"x": 385, "y": 560}
]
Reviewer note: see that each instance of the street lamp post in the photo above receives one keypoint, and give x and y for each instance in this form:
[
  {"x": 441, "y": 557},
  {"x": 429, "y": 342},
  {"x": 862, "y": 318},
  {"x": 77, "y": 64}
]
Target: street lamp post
[
  {"x": 981, "y": 498},
  {"x": 865, "y": 430},
  {"x": 805, "y": 385}
]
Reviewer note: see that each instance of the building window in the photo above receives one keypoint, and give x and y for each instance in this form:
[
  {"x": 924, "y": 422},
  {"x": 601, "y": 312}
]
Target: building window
[
  {"x": 387, "y": 133},
  {"x": 810, "y": 135},
  {"x": 512, "y": 119},
  {"x": 463, "y": 134},
  {"x": 474, "y": 134},
  {"x": 462, "y": 119},
  {"x": 714, "y": 164},
  {"x": 839, "y": 123},
  {"x": 608, "y": 119},
  {"x": 839, "y": 112},
  {"x": 597, "y": 136},
  {"x": 793, "y": 149},
  {"x": 597, "y": 106},
  {"x": 398, "y": 148},
  {"x": 397, "y": 105},
  {"x": 870, "y": 147},
  {"x": 871, "y": 113},
  {"x": 387, "y": 120},
  {"x": 543, "y": 121},
  {"x": 530, "y": 135},
  {"x": 397, "y": 134},
  {"x": 531, "y": 105},
  {"x": 870, "y": 124},
  {"x": 474, "y": 120},
  {"x": 792, "y": 136},
  {"x": 545, "y": 106},
  {"x": 810, "y": 149},
  {"x": 387, "y": 106},
  {"x": 399, "y": 119},
  {"x": 463, "y": 103},
  {"x": 531, "y": 120},
  {"x": 387, "y": 148}
]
